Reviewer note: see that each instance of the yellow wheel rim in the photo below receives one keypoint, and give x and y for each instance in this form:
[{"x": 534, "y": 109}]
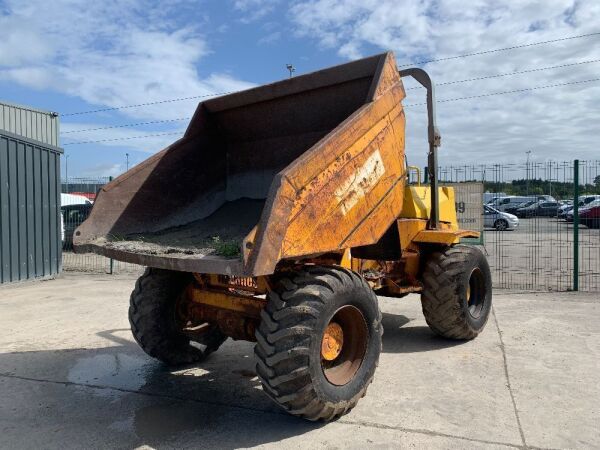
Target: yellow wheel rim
[
  {"x": 344, "y": 345},
  {"x": 333, "y": 341}
]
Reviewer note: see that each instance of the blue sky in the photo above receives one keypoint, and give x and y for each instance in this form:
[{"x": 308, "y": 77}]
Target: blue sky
[{"x": 70, "y": 56}]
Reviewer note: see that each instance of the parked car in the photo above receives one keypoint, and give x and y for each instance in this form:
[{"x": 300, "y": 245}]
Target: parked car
[
  {"x": 513, "y": 209},
  {"x": 541, "y": 209},
  {"x": 585, "y": 199},
  {"x": 590, "y": 216},
  {"x": 505, "y": 203},
  {"x": 492, "y": 218},
  {"x": 73, "y": 216},
  {"x": 89, "y": 195},
  {"x": 584, "y": 202},
  {"x": 564, "y": 209},
  {"x": 489, "y": 197}
]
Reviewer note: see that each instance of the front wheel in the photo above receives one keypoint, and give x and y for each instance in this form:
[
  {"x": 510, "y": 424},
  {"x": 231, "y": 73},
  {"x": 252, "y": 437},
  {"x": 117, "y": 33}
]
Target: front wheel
[
  {"x": 154, "y": 320},
  {"x": 319, "y": 342},
  {"x": 501, "y": 225},
  {"x": 457, "y": 292}
]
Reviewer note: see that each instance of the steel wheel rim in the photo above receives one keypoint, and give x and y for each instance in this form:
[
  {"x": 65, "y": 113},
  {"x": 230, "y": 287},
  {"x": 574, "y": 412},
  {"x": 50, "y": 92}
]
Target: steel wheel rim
[
  {"x": 475, "y": 293},
  {"x": 501, "y": 226},
  {"x": 343, "y": 354}
]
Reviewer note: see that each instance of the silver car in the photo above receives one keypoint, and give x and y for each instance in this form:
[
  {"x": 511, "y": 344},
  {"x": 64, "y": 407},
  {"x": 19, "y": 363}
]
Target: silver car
[{"x": 501, "y": 221}]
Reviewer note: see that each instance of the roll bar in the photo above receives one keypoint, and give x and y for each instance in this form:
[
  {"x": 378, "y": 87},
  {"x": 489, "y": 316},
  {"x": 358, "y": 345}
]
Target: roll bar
[{"x": 434, "y": 139}]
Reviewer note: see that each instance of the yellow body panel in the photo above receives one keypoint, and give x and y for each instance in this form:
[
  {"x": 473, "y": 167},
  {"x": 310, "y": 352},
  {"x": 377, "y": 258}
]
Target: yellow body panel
[
  {"x": 447, "y": 237},
  {"x": 408, "y": 229},
  {"x": 417, "y": 204}
]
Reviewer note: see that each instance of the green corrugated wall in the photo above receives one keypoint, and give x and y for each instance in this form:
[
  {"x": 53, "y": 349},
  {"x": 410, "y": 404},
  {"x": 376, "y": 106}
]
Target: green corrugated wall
[{"x": 30, "y": 227}]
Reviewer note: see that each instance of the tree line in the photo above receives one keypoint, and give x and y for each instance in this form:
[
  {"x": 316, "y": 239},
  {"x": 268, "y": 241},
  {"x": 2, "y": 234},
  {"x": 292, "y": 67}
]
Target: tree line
[
  {"x": 559, "y": 190},
  {"x": 523, "y": 187}
]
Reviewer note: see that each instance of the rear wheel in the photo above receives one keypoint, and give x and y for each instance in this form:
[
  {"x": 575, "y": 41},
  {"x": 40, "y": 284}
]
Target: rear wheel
[
  {"x": 457, "y": 292},
  {"x": 501, "y": 225},
  {"x": 319, "y": 342},
  {"x": 156, "y": 326}
]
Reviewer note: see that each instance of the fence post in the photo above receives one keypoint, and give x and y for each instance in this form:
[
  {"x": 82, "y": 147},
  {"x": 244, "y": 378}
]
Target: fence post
[
  {"x": 111, "y": 261},
  {"x": 576, "y": 225}
]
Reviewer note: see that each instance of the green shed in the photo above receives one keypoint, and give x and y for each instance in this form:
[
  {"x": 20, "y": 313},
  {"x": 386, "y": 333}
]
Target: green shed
[{"x": 30, "y": 221}]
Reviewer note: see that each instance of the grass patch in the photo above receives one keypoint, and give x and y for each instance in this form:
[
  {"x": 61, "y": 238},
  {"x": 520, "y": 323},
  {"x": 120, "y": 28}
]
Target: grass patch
[{"x": 229, "y": 249}]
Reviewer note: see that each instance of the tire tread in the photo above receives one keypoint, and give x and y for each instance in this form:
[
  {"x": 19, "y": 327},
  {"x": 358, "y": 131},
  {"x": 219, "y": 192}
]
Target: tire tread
[{"x": 284, "y": 333}]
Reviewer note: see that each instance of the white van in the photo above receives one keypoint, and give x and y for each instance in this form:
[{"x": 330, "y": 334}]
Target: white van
[
  {"x": 66, "y": 200},
  {"x": 504, "y": 203},
  {"x": 489, "y": 197},
  {"x": 72, "y": 199}
]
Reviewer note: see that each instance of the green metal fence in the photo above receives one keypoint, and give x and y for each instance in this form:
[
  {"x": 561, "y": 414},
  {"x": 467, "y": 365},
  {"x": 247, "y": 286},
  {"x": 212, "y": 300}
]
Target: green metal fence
[
  {"x": 74, "y": 212},
  {"x": 545, "y": 252}
]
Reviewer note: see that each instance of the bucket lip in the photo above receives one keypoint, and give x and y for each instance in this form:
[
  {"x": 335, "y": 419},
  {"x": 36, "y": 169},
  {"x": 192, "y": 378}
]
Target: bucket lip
[
  {"x": 341, "y": 73},
  {"x": 205, "y": 264}
]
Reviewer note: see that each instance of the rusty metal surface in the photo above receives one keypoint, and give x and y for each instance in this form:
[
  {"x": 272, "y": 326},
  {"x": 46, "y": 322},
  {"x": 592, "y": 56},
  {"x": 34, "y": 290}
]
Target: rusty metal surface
[
  {"x": 212, "y": 299},
  {"x": 323, "y": 152},
  {"x": 247, "y": 306},
  {"x": 231, "y": 323}
]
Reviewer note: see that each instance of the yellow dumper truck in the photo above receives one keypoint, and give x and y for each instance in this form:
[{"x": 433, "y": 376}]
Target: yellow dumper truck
[{"x": 278, "y": 218}]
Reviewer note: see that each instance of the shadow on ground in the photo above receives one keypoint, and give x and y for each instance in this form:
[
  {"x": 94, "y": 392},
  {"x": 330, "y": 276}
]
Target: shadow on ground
[
  {"x": 144, "y": 402},
  {"x": 400, "y": 337}
]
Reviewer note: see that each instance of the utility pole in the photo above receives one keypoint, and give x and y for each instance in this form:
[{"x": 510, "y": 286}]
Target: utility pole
[
  {"x": 527, "y": 170},
  {"x": 291, "y": 68},
  {"x": 127, "y": 160},
  {"x": 550, "y": 179}
]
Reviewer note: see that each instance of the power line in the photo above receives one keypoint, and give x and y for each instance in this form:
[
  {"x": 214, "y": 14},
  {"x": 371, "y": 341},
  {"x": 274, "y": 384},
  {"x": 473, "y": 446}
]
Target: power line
[
  {"x": 180, "y": 99},
  {"x": 504, "y": 49},
  {"x": 127, "y": 125},
  {"x": 514, "y": 91},
  {"x": 507, "y": 74},
  {"x": 124, "y": 138},
  {"x": 151, "y": 122},
  {"x": 403, "y": 65}
]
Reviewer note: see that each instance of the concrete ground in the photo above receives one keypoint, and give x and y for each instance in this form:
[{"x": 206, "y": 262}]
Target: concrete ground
[
  {"x": 72, "y": 377},
  {"x": 539, "y": 256}
]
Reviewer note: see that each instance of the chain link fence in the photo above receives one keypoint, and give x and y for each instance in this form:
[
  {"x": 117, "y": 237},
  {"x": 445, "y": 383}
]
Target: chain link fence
[
  {"x": 77, "y": 200},
  {"x": 540, "y": 254}
]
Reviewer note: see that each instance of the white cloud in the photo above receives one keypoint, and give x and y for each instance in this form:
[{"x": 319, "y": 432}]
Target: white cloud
[
  {"x": 143, "y": 139},
  {"x": 109, "y": 53},
  {"x": 103, "y": 170},
  {"x": 253, "y": 10},
  {"x": 559, "y": 123},
  {"x": 270, "y": 38}
]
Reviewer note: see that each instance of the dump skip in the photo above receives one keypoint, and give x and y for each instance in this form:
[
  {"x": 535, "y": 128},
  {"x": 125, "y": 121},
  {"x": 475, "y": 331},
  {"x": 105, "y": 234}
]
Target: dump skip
[{"x": 220, "y": 234}]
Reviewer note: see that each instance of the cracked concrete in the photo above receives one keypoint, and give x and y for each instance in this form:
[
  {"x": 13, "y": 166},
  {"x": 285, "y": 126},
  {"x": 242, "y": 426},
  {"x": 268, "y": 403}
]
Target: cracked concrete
[{"x": 72, "y": 377}]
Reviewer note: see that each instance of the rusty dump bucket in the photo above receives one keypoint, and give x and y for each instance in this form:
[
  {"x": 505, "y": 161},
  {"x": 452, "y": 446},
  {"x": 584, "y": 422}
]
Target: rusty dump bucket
[{"x": 304, "y": 166}]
